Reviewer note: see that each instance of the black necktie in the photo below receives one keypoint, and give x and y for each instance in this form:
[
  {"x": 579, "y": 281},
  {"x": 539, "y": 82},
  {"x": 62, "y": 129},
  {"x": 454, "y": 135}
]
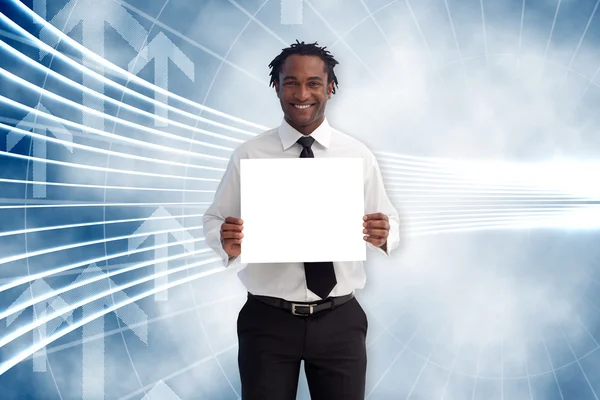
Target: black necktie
[{"x": 320, "y": 276}]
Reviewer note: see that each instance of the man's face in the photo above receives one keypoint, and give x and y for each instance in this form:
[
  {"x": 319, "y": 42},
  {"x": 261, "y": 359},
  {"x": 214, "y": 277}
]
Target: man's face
[{"x": 303, "y": 92}]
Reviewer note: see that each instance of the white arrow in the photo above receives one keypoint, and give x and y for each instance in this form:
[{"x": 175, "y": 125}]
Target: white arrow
[
  {"x": 93, "y": 350},
  {"x": 161, "y": 391},
  {"x": 161, "y": 49},
  {"x": 152, "y": 225},
  {"x": 93, "y": 14},
  {"x": 40, "y": 288},
  {"x": 39, "y": 145},
  {"x": 291, "y": 12}
]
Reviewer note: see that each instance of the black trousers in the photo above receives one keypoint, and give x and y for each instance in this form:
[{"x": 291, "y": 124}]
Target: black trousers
[{"x": 272, "y": 343}]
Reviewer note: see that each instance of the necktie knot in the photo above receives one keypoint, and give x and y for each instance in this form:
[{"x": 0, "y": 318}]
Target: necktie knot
[{"x": 306, "y": 141}]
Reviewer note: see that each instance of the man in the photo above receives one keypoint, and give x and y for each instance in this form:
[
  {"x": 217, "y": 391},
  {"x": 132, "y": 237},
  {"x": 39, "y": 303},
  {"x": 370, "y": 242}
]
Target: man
[{"x": 301, "y": 311}]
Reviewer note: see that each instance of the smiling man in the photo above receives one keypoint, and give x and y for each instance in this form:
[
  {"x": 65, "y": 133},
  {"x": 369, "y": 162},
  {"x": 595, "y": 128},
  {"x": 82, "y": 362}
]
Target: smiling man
[{"x": 302, "y": 311}]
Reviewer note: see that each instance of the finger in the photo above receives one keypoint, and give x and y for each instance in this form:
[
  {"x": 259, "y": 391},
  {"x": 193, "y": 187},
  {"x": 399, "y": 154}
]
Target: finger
[
  {"x": 377, "y": 224},
  {"x": 232, "y": 235},
  {"x": 379, "y": 233},
  {"x": 374, "y": 241},
  {"x": 231, "y": 227},
  {"x": 376, "y": 216},
  {"x": 233, "y": 220}
]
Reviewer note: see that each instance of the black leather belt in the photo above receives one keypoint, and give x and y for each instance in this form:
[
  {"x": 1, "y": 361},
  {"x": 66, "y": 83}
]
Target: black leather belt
[{"x": 304, "y": 309}]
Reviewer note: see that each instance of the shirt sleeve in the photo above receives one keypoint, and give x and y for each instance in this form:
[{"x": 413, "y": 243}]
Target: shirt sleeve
[
  {"x": 377, "y": 200},
  {"x": 226, "y": 203}
]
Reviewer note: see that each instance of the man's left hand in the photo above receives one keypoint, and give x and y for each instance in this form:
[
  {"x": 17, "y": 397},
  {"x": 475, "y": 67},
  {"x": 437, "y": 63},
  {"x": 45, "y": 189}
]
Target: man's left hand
[{"x": 376, "y": 229}]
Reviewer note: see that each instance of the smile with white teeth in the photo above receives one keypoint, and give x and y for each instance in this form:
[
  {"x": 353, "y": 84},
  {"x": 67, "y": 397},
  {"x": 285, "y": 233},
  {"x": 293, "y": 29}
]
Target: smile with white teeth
[{"x": 303, "y": 107}]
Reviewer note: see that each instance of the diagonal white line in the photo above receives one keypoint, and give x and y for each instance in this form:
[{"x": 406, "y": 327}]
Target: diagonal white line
[
  {"x": 22, "y": 256},
  {"x": 130, "y": 124},
  {"x": 527, "y": 371},
  {"x": 425, "y": 364},
  {"x": 577, "y": 361},
  {"x": 8, "y": 364},
  {"x": 178, "y": 372},
  {"x": 80, "y": 225},
  {"x": 38, "y": 136},
  {"x": 414, "y": 17},
  {"x": 104, "y": 169},
  {"x": 520, "y": 35},
  {"x": 45, "y": 203},
  {"x": 552, "y": 367},
  {"x": 550, "y": 37},
  {"x": 140, "y": 143},
  {"x": 38, "y": 321},
  {"x": 579, "y": 44},
  {"x": 121, "y": 72},
  {"x": 256, "y": 21},
  {"x": 477, "y": 372},
  {"x": 388, "y": 369},
  {"x": 190, "y": 41},
  {"x": 372, "y": 17},
  {"x": 40, "y": 275},
  {"x": 78, "y": 342},
  {"x": 104, "y": 187},
  {"x": 462, "y": 61},
  {"x": 328, "y": 25},
  {"x": 72, "y": 83},
  {"x": 485, "y": 47},
  {"x": 450, "y": 372}
]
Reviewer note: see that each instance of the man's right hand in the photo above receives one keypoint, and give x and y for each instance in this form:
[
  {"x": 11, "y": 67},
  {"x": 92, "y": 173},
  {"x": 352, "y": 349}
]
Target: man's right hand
[{"x": 231, "y": 236}]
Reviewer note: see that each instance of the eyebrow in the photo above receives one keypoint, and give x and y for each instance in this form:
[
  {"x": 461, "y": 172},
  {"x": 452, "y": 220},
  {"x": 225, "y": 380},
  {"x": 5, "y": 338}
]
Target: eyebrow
[{"x": 312, "y": 78}]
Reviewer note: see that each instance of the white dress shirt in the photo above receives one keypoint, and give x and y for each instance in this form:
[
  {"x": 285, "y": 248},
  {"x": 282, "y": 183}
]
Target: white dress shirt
[{"x": 287, "y": 280}]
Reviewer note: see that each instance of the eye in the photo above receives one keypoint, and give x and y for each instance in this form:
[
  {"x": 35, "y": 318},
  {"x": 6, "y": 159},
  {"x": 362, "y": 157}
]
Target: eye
[
  {"x": 314, "y": 84},
  {"x": 289, "y": 83}
]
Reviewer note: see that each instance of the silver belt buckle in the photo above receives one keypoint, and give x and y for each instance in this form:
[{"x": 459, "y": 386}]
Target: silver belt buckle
[{"x": 310, "y": 309}]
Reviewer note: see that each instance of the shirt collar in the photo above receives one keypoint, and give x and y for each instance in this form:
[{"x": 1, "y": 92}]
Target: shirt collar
[{"x": 289, "y": 135}]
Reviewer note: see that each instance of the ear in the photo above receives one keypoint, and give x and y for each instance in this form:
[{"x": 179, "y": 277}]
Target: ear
[{"x": 329, "y": 89}]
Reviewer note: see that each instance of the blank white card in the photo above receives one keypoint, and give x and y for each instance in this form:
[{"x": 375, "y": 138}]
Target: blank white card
[{"x": 302, "y": 209}]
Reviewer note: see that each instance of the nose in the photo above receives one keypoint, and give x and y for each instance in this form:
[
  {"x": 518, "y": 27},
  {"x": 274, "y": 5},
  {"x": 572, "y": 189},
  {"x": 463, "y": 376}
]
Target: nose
[{"x": 301, "y": 93}]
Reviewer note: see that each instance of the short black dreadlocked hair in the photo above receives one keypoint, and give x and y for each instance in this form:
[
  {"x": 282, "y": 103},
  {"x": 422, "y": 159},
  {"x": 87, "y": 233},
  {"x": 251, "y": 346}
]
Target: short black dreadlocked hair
[{"x": 304, "y": 49}]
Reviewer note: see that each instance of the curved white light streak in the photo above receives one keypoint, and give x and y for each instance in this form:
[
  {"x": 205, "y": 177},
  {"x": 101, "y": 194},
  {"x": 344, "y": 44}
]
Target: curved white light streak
[
  {"x": 44, "y": 274},
  {"x": 466, "y": 197},
  {"x": 542, "y": 223},
  {"x": 406, "y": 192},
  {"x": 97, "y": 150},
  {"x": 104, "y": 187},
  {"x": 5, "y": 366},
  {"x": 408, "y": 177},
  {"x": 507, "y": 206},
  {"x": 507, "y": 218},
  {"x": 36, "y": 43},
  {"x": 106, "y": 64},
  {"x": 56, "y": 313},
  {"x": 454, "y": 173},
  {"x": 182, "y": 204},
  {"x": 461, "y": 212},
  {"x": 89, "y": 243},
  {"x": 115, "y": 221},
  {"x": 423, "y": 162},
  {"x": 559, "y": 220},
  {"x": 77, "y": 342},
  {"x": 47, "y": 93},
  {"x": 423, "y": 187},
  {"x": 103, "y": 169},
  {"x": 31, "y": 301},
  {"x": 99, "y": 132},
  {"x": 110, "y": 100}
]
